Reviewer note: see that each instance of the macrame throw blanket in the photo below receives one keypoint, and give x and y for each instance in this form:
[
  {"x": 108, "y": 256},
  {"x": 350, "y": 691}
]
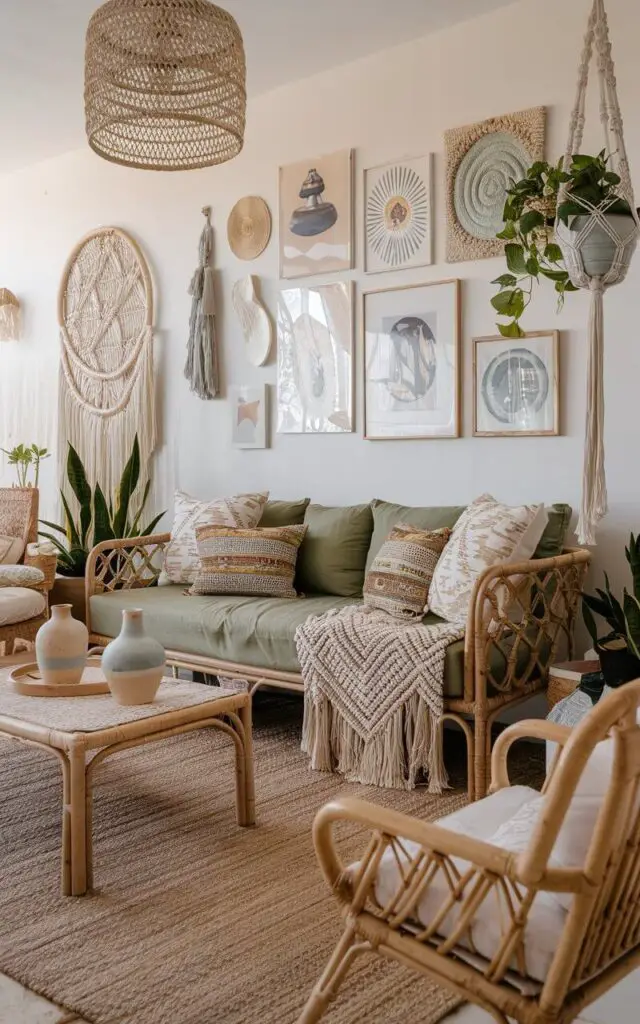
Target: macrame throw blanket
[{"x": 373, "y": 696}]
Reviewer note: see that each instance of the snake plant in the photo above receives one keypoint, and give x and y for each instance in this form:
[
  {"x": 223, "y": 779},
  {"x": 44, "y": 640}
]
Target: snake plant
[
  {"x": 98, "y": 520},
  {"x": 623, "y": 618}
]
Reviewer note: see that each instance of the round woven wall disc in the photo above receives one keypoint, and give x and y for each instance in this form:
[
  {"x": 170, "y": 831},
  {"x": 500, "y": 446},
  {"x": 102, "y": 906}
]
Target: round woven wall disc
[{"x": 249, "y": 227}]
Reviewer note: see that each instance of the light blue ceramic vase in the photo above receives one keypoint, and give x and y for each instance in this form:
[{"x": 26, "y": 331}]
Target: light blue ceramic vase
[{"x": 133, "y": 663}]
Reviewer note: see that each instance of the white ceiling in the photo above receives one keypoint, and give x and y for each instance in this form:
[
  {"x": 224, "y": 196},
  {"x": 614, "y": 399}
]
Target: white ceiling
[{"x": 42, "y": 42}]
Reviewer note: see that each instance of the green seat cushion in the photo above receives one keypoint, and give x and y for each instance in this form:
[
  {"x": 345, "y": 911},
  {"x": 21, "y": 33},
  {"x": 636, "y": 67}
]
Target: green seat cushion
[
  {"x": 334, "y": 551},
  {"x": 284, "y": 513},
  {"x": 243, "y": 630},
  {"x": 552, "y": 540},
  {"x": 386, "y": 515}
]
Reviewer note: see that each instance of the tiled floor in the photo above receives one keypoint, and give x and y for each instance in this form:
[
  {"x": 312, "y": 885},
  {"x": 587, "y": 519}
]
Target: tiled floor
[{"x": 620, "y": 1006}]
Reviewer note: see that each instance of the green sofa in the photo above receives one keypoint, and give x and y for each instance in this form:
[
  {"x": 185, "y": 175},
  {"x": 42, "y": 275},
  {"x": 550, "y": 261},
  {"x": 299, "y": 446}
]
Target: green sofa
[{"x": 253, "y": 638}]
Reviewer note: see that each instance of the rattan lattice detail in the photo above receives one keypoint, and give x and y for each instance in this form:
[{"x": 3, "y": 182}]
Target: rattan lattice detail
[
  {"x": 123, "y": 565},
  {"x": 165, "y": 84},
  {"x": 19, "y": 513}
]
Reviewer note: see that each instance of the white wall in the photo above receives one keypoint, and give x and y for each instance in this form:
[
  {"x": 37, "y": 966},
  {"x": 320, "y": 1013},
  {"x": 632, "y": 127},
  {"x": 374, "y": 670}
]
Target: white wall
[{"x": 396, "y": 103}]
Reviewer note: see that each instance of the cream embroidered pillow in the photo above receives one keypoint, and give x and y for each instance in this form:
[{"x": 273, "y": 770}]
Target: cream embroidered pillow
[
  {"x": 486, "y": 534},
  {"x": 181, "y": 561}
]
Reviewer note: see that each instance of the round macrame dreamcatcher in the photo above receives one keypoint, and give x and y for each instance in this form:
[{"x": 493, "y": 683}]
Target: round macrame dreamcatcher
[
  {"x": 106, "y": 394},
  {"x": 597, "y": 250}
]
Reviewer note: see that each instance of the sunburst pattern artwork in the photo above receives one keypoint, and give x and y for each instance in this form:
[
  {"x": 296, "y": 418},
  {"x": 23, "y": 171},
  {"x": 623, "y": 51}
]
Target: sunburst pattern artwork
[{"x": 398, "y": 215}]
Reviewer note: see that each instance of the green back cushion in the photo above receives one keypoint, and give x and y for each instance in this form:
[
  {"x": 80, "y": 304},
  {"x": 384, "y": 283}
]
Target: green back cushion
[
  {"x": 334, "y": 551},
  {"x": 386, "y": 515},
  {"x": 552, "y": 540},
  {"x": 284, "y": 513}
]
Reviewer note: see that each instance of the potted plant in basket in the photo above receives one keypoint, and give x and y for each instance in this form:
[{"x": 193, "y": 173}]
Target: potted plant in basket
[
  {"x": 98, "y": 520},
  {"x": 530, "y": 214}
]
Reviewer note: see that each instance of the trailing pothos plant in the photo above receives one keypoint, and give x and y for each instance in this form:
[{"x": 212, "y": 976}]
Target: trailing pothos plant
[
  {"x": 98, "y": 519},
  {"x": 529, "y": 217}
]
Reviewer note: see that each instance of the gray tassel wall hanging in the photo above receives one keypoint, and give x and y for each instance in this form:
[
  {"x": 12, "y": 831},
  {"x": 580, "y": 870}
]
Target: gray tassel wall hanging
[{"x": 201, "y": 368}]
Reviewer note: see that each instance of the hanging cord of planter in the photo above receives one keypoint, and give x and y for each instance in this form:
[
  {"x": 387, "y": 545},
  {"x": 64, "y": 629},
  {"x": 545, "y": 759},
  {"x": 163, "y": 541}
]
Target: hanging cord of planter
[
  {"x": 201, "y": 368},
  {"x": 597, "y": 250}
]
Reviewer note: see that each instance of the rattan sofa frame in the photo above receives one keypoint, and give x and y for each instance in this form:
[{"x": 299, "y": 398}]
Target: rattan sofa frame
[
  {"x": 599, "y": 943},
  {"x": 526, "y": 610}
]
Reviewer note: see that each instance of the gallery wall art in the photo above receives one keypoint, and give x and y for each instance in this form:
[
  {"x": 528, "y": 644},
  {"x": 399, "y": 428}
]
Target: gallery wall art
[
  {"x": 412, "y": 361},
  {"x": 398, "y": 215},
  {"x": 316, "y": 215},
  {"x": 516, "y": 385},
  {"x": 315, "y": 359},
  {"x": 481, "y": 160},
  {"x": 249, "y": 227},
  {"x": 253, "y": 318},
  {"x": 249, "y": 416}
]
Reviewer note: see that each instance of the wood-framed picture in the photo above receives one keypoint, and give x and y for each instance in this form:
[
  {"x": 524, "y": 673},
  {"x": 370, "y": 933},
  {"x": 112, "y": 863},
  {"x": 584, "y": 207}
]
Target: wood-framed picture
[
  {"x": 316, "y": 215},
  {"x": 411, "y": 352},
  {"x": 398, "y": 212},
  {"x": 249, "y": 416},
  {"x": 516, "y": 385}
]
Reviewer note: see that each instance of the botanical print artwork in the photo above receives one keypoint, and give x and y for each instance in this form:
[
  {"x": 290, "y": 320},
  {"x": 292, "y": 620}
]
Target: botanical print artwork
[
  {"x": 412, "y": 361},
  {"x": 316, "y": 216},
  {"x": 516, "y": 385},
  {"x": 315, "y": 359},
  {"x": 248, "y": 417},
  {"x": 481, "y": 162},
  {"x": 398, "y": 215}
]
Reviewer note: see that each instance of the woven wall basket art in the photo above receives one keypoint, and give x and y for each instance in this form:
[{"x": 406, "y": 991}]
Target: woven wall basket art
[
  {"x": 165, "y": 84},
  {"x": 597, "y": 249},
  {"x": 10, "y": 319},
  {"x": 106, "y": 391}
]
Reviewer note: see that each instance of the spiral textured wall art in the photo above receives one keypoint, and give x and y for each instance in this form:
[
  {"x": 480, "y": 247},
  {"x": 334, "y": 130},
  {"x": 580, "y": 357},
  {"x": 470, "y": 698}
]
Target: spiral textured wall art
[
  {"x": 398, "y": 215},
  {"x": 481, "y": 160}
]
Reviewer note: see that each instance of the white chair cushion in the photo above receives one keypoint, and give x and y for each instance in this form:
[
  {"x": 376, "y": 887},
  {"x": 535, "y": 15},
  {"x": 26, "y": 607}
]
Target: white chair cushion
[
  {"x": 11, "y": 549},
  {"x": 20, "y": 576},
  {"x": 505, "y": 819},
  {"x": 17, "y": 604}
]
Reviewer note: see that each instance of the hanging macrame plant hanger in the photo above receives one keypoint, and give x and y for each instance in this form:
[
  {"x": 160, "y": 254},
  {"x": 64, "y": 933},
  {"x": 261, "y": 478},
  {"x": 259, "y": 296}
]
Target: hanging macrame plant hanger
[{"x": 597, "y": 250}]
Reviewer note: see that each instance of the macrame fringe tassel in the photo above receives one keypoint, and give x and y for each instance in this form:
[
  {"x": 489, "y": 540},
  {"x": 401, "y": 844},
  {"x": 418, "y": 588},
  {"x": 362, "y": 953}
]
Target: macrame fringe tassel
[
  {"x": 409, "y": 745},
  {"x": 104, "y": 442},
  {"x": 201, "y": 367},
  {"x": 594, "y": 485}
]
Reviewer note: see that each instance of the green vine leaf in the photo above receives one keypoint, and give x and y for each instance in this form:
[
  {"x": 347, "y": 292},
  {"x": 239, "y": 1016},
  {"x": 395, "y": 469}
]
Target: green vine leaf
[
  {"x": 512, "y": 330},
  {"x": 514, "y": 255},
  {"x": 506, "y": 280}
]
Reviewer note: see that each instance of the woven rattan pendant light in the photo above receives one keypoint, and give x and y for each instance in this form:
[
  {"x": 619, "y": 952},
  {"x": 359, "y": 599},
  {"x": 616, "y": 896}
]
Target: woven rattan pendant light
[{"x": 165, "y": 84}]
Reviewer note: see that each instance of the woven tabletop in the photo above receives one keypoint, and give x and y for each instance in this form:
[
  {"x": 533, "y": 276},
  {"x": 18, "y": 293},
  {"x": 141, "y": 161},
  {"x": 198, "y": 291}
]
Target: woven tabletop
[{"x": 93, "y": 714}]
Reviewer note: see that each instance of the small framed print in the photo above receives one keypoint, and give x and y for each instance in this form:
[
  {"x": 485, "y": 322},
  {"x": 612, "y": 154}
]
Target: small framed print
[
  {"x": 248, "y": 416},
  {"x": 412, "y": 361},
  {"x": 398, "y": 215},
  {"x": 516, "y": 385}
]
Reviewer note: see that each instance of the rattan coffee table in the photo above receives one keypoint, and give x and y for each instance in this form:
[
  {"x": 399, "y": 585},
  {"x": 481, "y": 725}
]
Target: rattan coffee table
[{"x": 82, "y": 731}]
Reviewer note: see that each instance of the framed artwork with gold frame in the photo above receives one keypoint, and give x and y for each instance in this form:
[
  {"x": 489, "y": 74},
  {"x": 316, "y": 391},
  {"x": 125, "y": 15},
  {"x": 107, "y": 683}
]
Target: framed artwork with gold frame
[
  {"x": 411, "y": 352},
  {"x": 516, "y": 385}
]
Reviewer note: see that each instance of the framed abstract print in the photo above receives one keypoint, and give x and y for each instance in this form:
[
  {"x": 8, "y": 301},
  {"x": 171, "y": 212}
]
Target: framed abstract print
[
  {"x": 516, "y": 385},
  {"x": 398, "y": 215},
  {"x": 412, "y": 361},
  {"x": 248, "y": 416},
  {"x": 315, "y": 359},
  {"x": 316, "y": 215}
]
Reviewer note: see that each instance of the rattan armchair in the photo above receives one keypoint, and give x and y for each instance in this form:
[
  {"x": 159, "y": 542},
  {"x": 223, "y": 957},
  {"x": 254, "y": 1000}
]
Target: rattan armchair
[
  {"x": 19, "y": 519},
  {"x": 597, "y": 937}
]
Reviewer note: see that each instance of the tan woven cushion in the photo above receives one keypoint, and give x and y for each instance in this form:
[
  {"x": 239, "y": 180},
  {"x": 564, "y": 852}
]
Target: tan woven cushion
[
  {"x": 181, "y": 556},
  {"x": 260, "y": 562},
  {"x": 11, "y": 549},
  {"x": 17, "y": 604},
  {"x": 399, "y": 578},
  {"x": 20, "y": 576}
]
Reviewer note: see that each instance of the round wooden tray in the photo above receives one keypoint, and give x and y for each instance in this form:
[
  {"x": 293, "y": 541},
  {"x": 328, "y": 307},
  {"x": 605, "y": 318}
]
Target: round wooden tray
[{"x": 26, "y": 679}]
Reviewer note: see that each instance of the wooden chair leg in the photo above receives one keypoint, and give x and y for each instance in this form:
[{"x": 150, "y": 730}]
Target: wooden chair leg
[
  {"x": 334, "y": 974},
  {"x": 481, "y": 767}
]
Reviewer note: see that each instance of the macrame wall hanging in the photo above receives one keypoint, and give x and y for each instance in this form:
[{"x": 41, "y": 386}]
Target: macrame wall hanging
[
  {"x": 10, "y": 319},
  {"x": 106, "y": 393},
  {"x": 597, "y": 249},
  {"x": 201, "y": 368}
]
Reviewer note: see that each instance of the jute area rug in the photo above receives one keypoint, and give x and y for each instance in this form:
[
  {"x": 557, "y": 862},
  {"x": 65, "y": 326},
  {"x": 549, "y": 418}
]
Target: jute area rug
[{"x": 194, "y": 921}]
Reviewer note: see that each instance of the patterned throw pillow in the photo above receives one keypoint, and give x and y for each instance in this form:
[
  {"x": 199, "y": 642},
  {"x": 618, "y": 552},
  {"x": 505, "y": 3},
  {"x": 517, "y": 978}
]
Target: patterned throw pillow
[
  {"x": 259, "y": 562},
  {"x": 11, "y": 549},
  {"x": 20, "y": 576},
  {"x": 486, "y": 534},
  {"x": 181, "y": 562},
  {"x": 400, "y": 574}
]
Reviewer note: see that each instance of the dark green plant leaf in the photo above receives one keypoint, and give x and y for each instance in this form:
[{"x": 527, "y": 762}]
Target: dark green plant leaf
[
  {"x": 73, "y": 537},
  {"x": 532, "y": 265},
  {"x": 132, "y": 531},
  {"x": 148, "y": 531},
  {"x": 53, "y": 526},
  {"x": 128, "y": 484},
  {"x": 63, "y": 552},
  {"x": 102, "y": 529},
  {"x": 589, "y": 622},
  {"x": 512, "y": 330},
  {"x": 514, "y": 255},
  {"x": 554, "y": 275},
  {"x": 80, "y": 486},
  {"x": 502, "y": 302},
  {"x": 553, "y": 253},
  {"x": 506, "y": 280},
  {"x": 508, "y": 232},
  {"x": 632, "y": 622},
  {"x": 530, "y": 220}
]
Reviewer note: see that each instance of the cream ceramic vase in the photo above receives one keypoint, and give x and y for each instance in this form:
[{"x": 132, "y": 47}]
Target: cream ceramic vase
[
  {"x": 61, "y": 647},
  {"x": 133, "y": 663}
]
